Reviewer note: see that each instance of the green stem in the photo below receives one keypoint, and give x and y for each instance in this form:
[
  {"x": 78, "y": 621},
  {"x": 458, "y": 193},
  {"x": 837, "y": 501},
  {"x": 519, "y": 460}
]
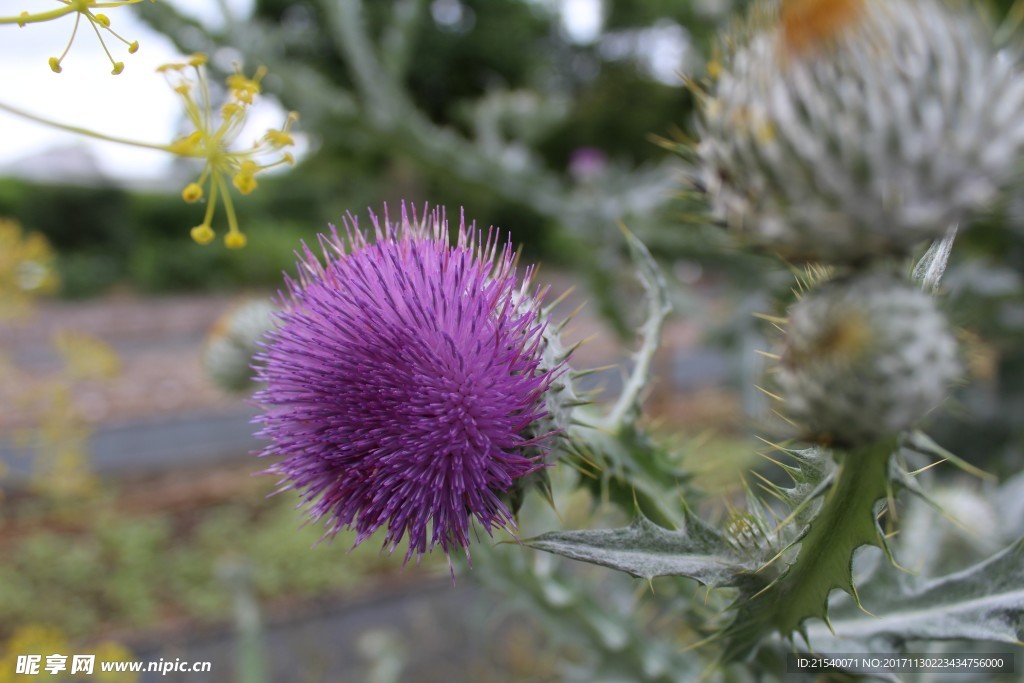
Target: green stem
[
  {"x": 40, "y": 17},
  {"x": 80, "y": 131},
  {"x": 845, "y": 522}
]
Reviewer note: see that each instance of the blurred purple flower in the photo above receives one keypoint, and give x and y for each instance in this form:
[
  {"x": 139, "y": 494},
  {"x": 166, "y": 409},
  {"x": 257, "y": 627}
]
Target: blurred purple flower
[
  {"x": 403, "y": 379},
  {"x": 587, "y": 163}
]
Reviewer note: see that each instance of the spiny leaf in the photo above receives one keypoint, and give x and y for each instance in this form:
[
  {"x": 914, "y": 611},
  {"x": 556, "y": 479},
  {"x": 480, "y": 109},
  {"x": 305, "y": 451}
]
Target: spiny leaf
[
  {"x": 627, "y": 408},
  {"x": 632, "y": 471},
  {"x": 982, "y": 602},
  {"x": 645, "y": 550},
  {"x": 812, "y": 477},
  {"x": 577, "y": 615},
  {"x": 844, "y": 522}
]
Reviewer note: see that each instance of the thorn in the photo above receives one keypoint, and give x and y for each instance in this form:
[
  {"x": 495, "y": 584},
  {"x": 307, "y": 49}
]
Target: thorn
[
  {"x": 803, "y": 634},
  {"x": 828, "y": 622},
  {"x": 701, "y": 643},
  {"x": 774, "y": 319},
  {"x": 766, "y": 354},
  {"x": 583, "y": 456},
  {"x": 577, "y": 374},
  {"x": 767, "y": 564},
  {"x": 856, "y": 599},
  {"x": 559, "y": 299},
  {"x": 925, "y": 445},
  {"x": 767, "y": 482},
  {"x": 569, "y": 318},
  {"x": 768, "y": 393},
  {"x": 927, "y": 467},
  {"x": 581, "y": 342},
  {"x": 775, "y": 446},
  {"x": 578, "y": 403},
  {"x": 773, "y": 494},
  {"x": 769, "y": 586},
  {"x": 590, "y": 475},
  {"x": 789, "y": 469}
]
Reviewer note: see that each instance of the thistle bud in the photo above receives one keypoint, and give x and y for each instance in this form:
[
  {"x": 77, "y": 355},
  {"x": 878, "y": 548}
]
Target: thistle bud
[
  {"x": 233, "y": 342},
  {"x": 864, "y": 359},
  {"x": 842, "y": 131}
]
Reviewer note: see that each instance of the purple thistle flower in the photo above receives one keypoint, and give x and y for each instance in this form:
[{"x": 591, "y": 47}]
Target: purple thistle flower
[{"x": 403, "y": 379}]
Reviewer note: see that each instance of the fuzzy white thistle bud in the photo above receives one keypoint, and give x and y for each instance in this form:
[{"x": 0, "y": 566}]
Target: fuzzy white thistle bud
[
  {"x": 233, "y": 341},
  {"x": 864, "y": 359},
  {"x": 844, "y": 130}
]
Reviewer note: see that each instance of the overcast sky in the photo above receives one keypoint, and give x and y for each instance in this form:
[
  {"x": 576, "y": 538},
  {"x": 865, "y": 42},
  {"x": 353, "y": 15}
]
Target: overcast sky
[{"x": 136, "y": 104}]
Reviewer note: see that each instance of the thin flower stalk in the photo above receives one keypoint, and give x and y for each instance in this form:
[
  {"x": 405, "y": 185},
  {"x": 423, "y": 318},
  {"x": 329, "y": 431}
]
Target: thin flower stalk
[
  {"x": 212, "y": 140},
  {"x": 99, "y": 22}
]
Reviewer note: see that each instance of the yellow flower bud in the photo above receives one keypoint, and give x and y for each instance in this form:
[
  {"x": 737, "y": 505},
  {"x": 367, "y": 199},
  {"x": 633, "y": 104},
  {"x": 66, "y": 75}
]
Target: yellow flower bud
[
  {"x": 103, "y": 20},
  {"x": 279, "y": 138},
  {"x": 186, "y": 146},
  {"x": 234, "y": 240},
  {"x": 203, "y": 234},
  {"x": 193, "y": 192},
  {"x": 245, "y": 182}
]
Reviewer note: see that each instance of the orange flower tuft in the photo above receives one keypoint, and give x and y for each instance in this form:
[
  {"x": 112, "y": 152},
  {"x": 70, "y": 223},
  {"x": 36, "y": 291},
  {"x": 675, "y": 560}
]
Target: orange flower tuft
[{"x": 807, "y": 24}]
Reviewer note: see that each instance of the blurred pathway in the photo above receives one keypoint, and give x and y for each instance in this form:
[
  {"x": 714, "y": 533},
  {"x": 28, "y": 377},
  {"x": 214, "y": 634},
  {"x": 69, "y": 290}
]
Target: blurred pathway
[{"x": 161, "y": 413}]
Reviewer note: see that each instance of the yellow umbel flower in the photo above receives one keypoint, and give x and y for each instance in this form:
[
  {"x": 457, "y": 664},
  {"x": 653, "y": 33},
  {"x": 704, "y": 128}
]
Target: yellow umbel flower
[
  {"x": 27, "y": 268},
  {"x": 213, "y": 139},
  {"x": 80, "y": 8}
]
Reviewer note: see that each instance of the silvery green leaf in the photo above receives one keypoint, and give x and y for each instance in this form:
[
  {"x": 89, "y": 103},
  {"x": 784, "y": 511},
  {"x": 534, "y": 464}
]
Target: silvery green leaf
[
  {"x": 645, "y": 550},
  {"x": 982, "y": 602},
  {"x": 594, "y": 620},
  {"x": 627, "y": 408},
  {"x": 1010, "y": 504}
]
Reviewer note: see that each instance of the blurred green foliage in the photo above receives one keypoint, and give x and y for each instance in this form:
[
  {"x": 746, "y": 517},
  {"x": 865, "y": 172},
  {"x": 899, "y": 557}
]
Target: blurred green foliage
[
  {"x": 124, "y": 572},
  {"x": 107, "y": 236}
]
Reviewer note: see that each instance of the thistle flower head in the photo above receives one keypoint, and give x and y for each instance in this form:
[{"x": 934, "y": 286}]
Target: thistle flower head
[
  {"x": 403, "y": 379},
  {"x": 864, "y": 358},
  {"x": 213, "y": 140},
  {"x": 844, "y": 130}
]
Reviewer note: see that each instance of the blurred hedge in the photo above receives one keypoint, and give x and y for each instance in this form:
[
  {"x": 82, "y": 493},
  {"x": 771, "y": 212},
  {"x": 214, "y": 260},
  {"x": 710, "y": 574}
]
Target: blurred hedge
[{"x": 107, "y": 236}]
